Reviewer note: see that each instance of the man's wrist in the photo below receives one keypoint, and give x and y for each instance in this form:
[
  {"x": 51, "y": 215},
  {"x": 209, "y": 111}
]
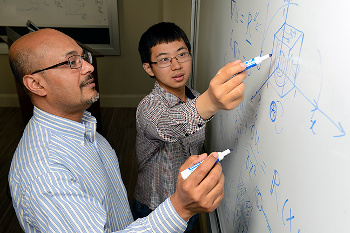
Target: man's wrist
[
  {"x": 179, "y": 208},
  {"x": 205, "y": 107}
]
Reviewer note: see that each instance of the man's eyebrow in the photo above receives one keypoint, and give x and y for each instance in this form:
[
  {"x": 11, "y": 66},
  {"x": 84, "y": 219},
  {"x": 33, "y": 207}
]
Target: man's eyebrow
[
  {"x": 161, "y": 54},
  {"x": 73, "y": 52},
  {"x": 179, "y": 49}
]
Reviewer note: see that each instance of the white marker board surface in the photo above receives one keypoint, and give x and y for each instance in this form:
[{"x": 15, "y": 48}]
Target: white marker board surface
[{"x": 290, "y": 169}]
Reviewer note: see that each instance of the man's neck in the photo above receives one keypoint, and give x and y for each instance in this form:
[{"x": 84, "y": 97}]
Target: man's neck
[
  {"x": 178, "y": 92},
  {"x": 74, "y": 115}
]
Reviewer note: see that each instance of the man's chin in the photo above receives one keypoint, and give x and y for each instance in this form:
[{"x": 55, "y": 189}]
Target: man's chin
[{"x": 93, "y": 99}]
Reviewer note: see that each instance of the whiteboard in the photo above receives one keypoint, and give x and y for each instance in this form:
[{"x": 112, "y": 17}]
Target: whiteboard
[
  {"x": 66, "y": 14},
  {"x": 290, "y": 169}
]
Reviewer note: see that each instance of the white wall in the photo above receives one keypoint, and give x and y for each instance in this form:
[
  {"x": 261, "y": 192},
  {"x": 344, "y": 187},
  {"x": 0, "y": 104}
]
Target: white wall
[{"x": 122, "y": 80}]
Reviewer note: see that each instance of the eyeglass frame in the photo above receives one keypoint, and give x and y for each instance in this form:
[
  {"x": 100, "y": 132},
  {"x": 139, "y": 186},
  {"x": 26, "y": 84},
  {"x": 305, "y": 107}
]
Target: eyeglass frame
[
  {"x": 82, "y": 57},
  {"x": 171, "y": 60}
]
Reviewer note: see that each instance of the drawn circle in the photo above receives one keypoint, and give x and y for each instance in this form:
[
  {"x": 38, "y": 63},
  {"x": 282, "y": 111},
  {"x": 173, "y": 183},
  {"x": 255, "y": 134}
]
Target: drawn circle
[
  {"x": 280, "y": 77},
  {"x": 273, "y": 111}
]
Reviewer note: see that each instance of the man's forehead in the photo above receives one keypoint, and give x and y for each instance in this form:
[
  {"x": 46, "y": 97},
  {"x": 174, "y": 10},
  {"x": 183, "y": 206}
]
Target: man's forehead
[{"x": 165, "y": 47}]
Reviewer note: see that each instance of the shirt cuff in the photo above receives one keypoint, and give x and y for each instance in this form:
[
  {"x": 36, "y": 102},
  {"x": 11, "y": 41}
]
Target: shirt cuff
[
  {"x": 193, "y": 105},
  {"x": 166, "y": 219}
]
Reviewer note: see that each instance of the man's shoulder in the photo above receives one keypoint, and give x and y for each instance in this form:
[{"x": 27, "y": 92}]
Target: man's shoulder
[
  {"x": 35, "y": 140},
  {"x": 36, "y": 149},
  {"x": 151, "y": 101},
  {"x": 30, "y": 159},
  {"x": 35, "y": 135}
]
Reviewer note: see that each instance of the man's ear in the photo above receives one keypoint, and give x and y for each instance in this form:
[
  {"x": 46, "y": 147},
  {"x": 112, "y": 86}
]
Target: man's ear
[
  {"x": 147, "y": 67},
  {"x": 33, "y": 85}
]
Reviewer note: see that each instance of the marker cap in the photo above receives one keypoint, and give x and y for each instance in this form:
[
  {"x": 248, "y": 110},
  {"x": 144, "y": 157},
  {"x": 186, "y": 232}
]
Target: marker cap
[{"x": 186, "y": 173}]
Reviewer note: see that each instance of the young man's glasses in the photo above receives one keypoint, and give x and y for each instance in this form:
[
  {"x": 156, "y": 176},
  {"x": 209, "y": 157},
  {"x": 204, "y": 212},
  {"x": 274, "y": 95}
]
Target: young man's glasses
[
  {"x": 166, "y": 61},
  {"x": 75, "y": 62}
]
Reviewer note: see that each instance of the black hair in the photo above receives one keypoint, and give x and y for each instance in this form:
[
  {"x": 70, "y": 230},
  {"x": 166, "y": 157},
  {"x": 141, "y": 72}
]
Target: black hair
[
  {"x": 21, "y": 63},
  {"x": 164, "y": 32}
]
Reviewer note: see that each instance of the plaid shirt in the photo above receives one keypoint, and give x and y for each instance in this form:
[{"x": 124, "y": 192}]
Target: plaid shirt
[{"x": 168, "y": 132}]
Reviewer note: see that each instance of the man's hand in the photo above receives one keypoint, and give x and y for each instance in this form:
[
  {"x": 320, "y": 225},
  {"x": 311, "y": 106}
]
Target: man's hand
[
  {"x": 223, "y": 92},
  {"x": 203, "y": 190}
]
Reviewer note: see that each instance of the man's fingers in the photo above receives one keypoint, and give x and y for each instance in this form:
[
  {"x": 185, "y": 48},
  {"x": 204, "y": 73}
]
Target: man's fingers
[
  {"x": 213, "y": 177},
  {"x": 217, "y": 191},
  {"x": 234, "y": 97},
  {"x": 228, "y": 64},
  {"x": 203, "y": 169},
  {"x": 229, "y": 70},
  {"x": 193, "y": 160},
  {"x": 213, "y": 185}
]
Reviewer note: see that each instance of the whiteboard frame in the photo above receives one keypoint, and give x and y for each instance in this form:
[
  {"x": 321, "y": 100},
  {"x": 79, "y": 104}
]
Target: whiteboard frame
[
  {"x": 113, "y": 48},
  {"x": 214, "y": 222},
  {"x": 194, "y": 40}
]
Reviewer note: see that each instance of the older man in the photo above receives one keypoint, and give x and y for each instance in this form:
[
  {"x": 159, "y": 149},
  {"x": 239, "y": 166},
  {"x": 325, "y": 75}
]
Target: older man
[{"x": 65, "y": 176}]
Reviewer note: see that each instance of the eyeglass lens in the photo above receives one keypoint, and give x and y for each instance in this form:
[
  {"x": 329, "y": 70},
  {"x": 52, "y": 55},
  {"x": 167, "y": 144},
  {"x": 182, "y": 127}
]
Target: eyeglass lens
[
  {"x": 75, "y": 61},
  {"x": 165, "y": 62},
  {"x": 87, "y": 57}
]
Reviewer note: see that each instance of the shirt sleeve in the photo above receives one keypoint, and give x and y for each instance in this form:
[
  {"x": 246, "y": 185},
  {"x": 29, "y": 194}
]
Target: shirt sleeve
[
  {"x": 160, "y": 122},
  {"x": 163, "y": 219},
  {"x": 56, "y": 203}
]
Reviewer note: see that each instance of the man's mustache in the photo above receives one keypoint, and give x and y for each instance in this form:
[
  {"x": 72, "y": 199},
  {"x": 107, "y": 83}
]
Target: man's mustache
[{"x": 86, "y": 80}]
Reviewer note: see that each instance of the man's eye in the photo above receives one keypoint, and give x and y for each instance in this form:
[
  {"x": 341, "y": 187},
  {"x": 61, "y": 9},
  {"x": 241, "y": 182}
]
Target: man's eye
[
  {"x": 72, "y": 63},
  {"x": 165, "y": 59},
  {"x": 182, "y": 55}
]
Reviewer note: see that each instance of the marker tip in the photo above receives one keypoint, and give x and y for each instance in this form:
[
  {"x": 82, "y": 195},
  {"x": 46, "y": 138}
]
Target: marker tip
[{"x": 270, "y": 54}]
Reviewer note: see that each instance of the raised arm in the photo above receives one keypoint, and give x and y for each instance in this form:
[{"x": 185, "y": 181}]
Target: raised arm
[{"x": 224, "y": 91}]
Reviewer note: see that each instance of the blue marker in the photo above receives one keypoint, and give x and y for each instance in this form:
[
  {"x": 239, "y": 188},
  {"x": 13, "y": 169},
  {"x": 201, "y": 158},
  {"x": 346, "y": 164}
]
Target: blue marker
[
  {"x": 189, "y": 170},
  {"x": 255, "y": 61}
]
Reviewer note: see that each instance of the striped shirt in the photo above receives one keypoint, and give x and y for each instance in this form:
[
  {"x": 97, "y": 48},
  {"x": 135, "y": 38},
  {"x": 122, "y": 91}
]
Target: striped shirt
[
  {"x": 65, "y": 177},
  {"x": 168, "y": 132}
]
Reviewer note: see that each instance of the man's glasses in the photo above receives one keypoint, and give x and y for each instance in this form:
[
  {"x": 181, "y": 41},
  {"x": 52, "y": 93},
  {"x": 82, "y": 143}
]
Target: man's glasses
[
  {"x": 75, "y": 62},
  {"x": 166, "y": 61}
]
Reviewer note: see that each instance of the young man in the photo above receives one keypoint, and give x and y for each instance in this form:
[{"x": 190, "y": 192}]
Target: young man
[
  {"x": 171, "y": 119},
  {"x": 64, "y": 176}
]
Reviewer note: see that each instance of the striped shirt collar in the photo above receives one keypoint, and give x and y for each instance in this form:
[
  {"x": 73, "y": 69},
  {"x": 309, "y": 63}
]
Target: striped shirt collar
[
  {"x": 68, "y": 128},
  {"x": 172, "y": 99}
]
